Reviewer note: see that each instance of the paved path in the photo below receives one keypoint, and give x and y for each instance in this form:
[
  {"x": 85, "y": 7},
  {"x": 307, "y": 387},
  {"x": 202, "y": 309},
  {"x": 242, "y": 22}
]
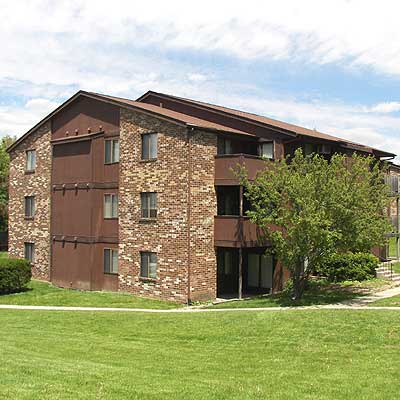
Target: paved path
[
  {"x": 360, "y": 303},
  {"x": 363, "y": 301},
  {"x": 195, "y": 310}
]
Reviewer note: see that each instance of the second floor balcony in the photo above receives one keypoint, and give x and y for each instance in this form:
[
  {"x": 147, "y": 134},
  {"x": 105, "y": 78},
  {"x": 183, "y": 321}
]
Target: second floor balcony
[{"x": 225, "y": 166}]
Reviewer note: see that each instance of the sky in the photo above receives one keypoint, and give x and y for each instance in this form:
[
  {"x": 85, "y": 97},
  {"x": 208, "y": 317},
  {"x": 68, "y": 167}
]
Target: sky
[{"x": 332, "y": 65}]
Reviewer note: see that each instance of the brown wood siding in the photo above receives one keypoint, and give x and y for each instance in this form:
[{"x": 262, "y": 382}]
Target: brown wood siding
[
  {"x": 79, "y": 181},
  {"x": 83, "y": 114}
]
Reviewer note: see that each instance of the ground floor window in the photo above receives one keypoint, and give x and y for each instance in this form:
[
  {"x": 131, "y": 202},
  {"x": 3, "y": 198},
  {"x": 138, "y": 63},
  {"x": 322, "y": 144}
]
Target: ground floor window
[
  {"x": 393, "y": 248},
  {"x": 259, "y": 271},
  {"x": 148, "y": 265},
  {"x": 110, "y": 261},
  {"x": 29, "y": 252}
]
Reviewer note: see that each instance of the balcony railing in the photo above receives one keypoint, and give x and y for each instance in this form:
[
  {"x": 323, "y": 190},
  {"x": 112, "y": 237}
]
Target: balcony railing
[{"x": 226, "y": 164}]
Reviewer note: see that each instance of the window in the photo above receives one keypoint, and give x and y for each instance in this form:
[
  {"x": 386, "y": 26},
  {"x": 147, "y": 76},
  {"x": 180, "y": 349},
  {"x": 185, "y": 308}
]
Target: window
[
  {"x": 111, "y": 151},
  {"x": 29, "y": 252},
  {"x": 110, "y": 261},
  {"x": 149, "y": 205},
  {"x": 149, "y": 146},
  {"x": 31, "y": 160},
  {"x": 228, "y": 199},
  {"x": 309, "y": 149},
  {"x": 224, "y": 146},
  {"x": 148, "y": 265},
  {"x": 110, "y": 206},
  {"x": 29, "y": 206},
  {"x": 267, "y": 150}
]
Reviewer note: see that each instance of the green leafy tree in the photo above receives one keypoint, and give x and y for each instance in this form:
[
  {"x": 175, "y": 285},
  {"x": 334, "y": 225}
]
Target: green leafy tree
[
  {"x": 310, "y": 208},
  {"x": 4, "y": 174}
]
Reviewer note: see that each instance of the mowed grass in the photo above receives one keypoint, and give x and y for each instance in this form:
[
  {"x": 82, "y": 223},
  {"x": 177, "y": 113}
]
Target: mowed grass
[
  {"x": 388, "y": 302},
  {"x": 44, "y": 294},
  {"x": 314, "y": 354},
  {"x": 319, "y": 292}
]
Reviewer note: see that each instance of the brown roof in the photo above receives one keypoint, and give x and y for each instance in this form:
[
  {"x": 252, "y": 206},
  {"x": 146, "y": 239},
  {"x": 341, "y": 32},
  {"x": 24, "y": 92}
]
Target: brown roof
[
  {"x": 171, "y": 114},
  {"x": 299, "y": 130},
  {"x": 195, "y": 122}
]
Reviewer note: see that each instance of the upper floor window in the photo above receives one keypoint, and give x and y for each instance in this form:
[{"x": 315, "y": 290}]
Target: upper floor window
[
  {"x": 267, "y": 150},
  {"x": 110, "y": 261},
  {"x": 111, "y": 151},
  {"x": 31, "y": 160},
  {"x": 149, "y": 205},
  {"x": 110, "y": 206},
  {"x": 224, "y": 146},
  {"x": 228, "y": 200},
  {"x": 29, "y": 206},
  {"x": 149, "y": 146},
  {"x": 148, "y": 265},
  {"x": 29, "y": 252}
]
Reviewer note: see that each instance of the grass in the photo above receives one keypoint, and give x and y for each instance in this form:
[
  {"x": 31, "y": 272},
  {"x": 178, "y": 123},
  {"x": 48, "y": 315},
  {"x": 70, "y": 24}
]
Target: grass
[
  {"x": 44, "y": 294},
  {"x": 320, "y": 292},
  {"x": 318, "y": 354},
  {"x": 396, "y": 267},
  {"x": 388, "y": 302},
  {"x": 3, "y": 254}
]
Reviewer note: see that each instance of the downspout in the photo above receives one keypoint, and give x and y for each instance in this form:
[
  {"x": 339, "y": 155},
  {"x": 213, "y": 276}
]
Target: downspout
[{"x": 189, "y": 206}]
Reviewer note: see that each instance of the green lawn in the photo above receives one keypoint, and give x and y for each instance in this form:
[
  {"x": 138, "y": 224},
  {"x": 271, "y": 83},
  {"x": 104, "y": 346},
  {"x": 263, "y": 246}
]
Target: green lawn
[
  {"x": 318, "y": 354},
  {"x": 319, "y": 293},
  {"x": 396, "y": 267},
  {"x": 45, "y": 294},
  {"x": 389, "y": 302}
]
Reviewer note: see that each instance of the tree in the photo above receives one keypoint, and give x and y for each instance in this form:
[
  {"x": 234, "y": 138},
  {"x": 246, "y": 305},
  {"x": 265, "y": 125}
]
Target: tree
[
  {"x": 5, "y": 142},
  {"x": 309, "y": 208}
]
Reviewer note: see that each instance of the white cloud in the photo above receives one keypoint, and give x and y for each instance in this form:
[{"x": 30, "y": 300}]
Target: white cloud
[
  {"x": 51, "y": 49},
  {"x": 386, "y": 107}
]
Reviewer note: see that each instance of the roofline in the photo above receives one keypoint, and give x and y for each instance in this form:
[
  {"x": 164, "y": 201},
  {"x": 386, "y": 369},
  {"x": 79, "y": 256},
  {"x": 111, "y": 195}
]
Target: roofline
[
  {"x": 93, "y": 96},
  {"x": 240, "y": 118},
  {"x": 284, "y": 131}
]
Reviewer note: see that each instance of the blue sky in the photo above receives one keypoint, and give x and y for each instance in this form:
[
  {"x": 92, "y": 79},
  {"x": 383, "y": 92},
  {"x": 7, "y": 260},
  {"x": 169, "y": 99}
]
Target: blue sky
[{"x": 332, "y": 65}]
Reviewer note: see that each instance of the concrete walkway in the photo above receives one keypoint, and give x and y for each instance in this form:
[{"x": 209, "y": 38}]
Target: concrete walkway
[
  {"x": 196, "y": 310},
  {"x": 360, "y": 303}
]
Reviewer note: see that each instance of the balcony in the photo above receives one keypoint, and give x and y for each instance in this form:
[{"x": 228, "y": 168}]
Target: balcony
[
  {"x": 236, "y": 231},
  {"x": 225, "y": 164}
]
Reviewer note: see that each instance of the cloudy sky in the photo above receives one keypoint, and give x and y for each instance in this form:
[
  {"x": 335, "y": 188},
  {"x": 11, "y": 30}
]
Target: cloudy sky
[{"x": 330, "y": 65}]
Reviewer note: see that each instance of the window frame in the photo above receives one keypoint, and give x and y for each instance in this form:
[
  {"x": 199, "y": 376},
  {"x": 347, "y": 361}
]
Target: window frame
[
  {"x": 27, "y": 152},
  {"x": 32, "y": 251},
  {"x": 151, "y": 157},
  {"x": 111, "y": 252},
  {"x": 112, "y": 215},
  {"x": 31, "y": 208},
  {"x": 145, "y": 199},
  {"x": 261, "y": 150},
  {"x": 146, "y": 256},
  {"x": 112, "y": 149}
]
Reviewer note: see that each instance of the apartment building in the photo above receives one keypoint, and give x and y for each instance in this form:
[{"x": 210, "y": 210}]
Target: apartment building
[{"x": 139, "y": 196}]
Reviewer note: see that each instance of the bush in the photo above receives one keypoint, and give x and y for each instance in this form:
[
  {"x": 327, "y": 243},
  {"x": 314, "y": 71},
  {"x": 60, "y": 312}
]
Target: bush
[
  {"x": 349, "y": 267},
  {"x": 15, "y": 274}
]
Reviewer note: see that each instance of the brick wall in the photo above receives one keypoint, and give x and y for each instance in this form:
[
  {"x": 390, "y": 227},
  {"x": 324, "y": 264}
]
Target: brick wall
[
  {"x": 168, "y": 235},
  {"x": 37, "y": 184},
  {"x": 203, "y": 201}
]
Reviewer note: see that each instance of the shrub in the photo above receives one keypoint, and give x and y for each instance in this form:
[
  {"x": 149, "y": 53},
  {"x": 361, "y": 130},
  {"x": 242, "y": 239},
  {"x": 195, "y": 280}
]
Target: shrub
[
  {"x": 15, "y": 274},
  {"x": 349, "y": 267}
]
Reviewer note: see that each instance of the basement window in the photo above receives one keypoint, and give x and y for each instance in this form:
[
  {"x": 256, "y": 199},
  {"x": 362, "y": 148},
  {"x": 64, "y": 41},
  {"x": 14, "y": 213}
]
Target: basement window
[
  {"x": 111, "y": 151},
  {"x": 30, "y": 160},
  {"x": 110, "y": 206},
  {"x": 149, "y": 146},
  {"x": 110, "y": 261},
  {"x": 148, "y": 205},
  {"x": 29, "y": 252},
  {"x": 29, "y": 206},
  {"x": 148, "y": 265}
]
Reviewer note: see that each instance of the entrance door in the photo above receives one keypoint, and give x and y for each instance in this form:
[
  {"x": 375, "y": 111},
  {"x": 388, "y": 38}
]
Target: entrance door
[
  {"x": 228, "y": 270},
  {"x": 260, "y": 269}
]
